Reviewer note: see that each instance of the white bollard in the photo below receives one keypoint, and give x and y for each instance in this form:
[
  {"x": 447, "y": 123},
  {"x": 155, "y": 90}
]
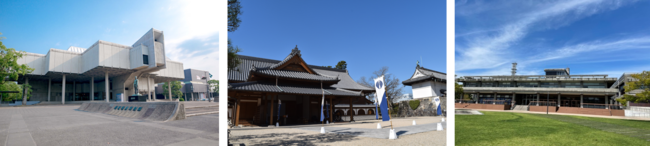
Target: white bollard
[
  {"x": 439, "y": 128},
  {"x": 414, "y": 122},
  {"x": 392, "y": 134},
  {"x": 443, "y": 119},
  {"x": 322, "y": 130},
  {"x": 277, "y": 124},
  {"x": 327, "y": 122},
  {"x": 378, "y": 126}
]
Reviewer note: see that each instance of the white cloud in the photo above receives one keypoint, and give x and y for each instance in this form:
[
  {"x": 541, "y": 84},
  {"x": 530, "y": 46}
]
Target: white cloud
[
  {"x": 191, "y": 21},
  {"x": 490, "y": 49}
]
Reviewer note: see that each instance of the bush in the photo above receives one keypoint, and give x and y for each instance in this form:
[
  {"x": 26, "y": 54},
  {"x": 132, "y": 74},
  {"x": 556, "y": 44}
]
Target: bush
[
  {"x": 181, "y": 99},
  {"x": 414, "y": 104}
]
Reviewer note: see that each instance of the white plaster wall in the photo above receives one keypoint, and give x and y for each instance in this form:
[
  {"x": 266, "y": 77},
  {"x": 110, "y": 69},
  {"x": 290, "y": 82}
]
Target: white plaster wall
[
  {"x": 35, "y": 61},
  {"x": 135, "y": 55},
  {"x": 174, "y": 69},
  {"x": 114, "y": 55},
  {"x": 422, "y": 89},
  {"x": 64, "y": 61}
]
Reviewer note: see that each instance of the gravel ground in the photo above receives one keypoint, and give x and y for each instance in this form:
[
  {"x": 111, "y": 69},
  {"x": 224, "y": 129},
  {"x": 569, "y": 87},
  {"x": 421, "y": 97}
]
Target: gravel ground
[{"x": 307, "y": 136}]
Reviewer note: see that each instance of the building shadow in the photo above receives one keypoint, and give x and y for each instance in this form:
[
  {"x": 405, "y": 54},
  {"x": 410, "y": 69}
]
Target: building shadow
[{"x": 296, "y": 139}]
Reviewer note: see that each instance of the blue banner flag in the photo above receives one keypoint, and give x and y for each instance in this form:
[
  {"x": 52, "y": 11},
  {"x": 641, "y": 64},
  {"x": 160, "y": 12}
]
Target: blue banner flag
[{"x": 380, "y": 92}]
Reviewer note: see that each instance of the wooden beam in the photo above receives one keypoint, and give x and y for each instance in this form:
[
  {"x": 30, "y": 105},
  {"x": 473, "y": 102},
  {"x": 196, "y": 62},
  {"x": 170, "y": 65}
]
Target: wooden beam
[
  {"x": 331, "y": 111},
  {"x": 272, "y": 101},
  {"x": 351, "y": 110},
  {"x": 237, "y": 114}
]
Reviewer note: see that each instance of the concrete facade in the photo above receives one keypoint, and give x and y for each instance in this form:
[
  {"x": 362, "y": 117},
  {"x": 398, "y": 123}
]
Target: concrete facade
[
  {"x": 194, "y": 87},
  {"x": 102, "y": 70}
]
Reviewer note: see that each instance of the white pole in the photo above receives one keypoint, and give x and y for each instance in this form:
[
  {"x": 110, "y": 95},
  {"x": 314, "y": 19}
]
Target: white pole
[
  {"x": 63, "y": 91},
  {"x": 49, "y": 88},
  {"x": 106, "y": 85}
]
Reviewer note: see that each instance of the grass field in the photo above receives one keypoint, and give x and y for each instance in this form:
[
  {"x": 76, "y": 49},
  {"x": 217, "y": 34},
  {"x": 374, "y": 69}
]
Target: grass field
[{"x": 521, "y": 129}]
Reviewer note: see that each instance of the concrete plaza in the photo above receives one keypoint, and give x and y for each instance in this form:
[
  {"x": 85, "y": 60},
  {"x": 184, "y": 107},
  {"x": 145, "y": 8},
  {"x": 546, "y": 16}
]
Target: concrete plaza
[
  {"x": 360, "y": 133},
  {"x": 64, "y": 125}
]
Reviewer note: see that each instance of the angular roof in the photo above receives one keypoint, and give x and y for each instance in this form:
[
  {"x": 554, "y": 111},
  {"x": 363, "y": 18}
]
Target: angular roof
[
  {"x": 268, "y": 67},
  {"x": 288, "y": 88},
  {"x": 424, "y": 74}
]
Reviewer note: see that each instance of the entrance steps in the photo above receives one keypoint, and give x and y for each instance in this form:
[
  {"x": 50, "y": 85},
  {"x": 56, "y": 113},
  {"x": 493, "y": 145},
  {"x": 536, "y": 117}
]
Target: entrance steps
[
  {"x": 521, "y": 107},
  {"x": 196, "y": 111}
]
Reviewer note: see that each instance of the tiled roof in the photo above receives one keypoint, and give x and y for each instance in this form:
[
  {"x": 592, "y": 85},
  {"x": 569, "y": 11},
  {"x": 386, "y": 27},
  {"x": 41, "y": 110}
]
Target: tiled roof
[
  {"x": 292, "y": 89},
  {"x": 294, "y": 74},
  {"x": 428, "y": 75},
  {"x": 242, "y": 72}
]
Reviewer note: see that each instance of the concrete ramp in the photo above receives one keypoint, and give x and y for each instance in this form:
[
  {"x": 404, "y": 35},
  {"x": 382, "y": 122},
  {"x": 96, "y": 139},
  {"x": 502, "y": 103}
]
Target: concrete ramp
[{"x": 153, "y": 111}]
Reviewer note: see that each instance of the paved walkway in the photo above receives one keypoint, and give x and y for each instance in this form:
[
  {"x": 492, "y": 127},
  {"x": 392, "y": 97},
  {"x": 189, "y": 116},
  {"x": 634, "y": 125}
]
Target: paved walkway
[
  {"x": 361, "y": 133},
  {"x": 66, "y": 126},
  {"x": 555, "y": 113}
]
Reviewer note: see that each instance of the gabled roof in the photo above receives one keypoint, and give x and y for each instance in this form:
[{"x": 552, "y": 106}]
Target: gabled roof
[
  {"x": 268, "y": 67},
  {"x": 425, "y": 75}
]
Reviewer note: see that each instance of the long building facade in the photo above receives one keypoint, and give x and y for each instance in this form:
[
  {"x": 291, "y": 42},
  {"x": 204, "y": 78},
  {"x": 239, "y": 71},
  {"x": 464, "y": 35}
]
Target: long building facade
[
  {"x": 290, "y": 91},
  {"x": 102, "y": 71},
  {"x": 556, "y": 91}
]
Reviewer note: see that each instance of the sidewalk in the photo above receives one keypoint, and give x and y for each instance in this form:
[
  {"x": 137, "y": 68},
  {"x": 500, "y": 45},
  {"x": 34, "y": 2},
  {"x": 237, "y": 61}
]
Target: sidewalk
[{"x": 555, "y": 113}]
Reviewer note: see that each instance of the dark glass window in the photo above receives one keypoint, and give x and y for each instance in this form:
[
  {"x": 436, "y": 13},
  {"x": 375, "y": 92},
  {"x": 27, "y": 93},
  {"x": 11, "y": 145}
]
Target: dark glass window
[{"x": 145, "y": 59}]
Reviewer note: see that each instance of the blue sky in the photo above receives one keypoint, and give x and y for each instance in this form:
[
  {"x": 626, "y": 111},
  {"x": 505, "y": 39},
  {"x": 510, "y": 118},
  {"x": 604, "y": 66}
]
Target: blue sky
[
  {"x": 589, "y": 36},
  {"x": 190, "y": 27},
  {"x": 366, "y": 34}
]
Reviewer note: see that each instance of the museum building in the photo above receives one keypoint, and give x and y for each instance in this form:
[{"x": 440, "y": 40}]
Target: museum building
[
  {"x": 102, "y": 71},
  {"x": 556, "y": 91}
]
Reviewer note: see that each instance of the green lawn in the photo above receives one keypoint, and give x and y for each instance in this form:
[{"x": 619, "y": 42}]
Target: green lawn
[{"x": 521, "y": 129}]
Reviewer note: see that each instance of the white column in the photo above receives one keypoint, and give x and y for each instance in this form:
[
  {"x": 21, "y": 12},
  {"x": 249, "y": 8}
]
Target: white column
[
  {"x": 106, "y": 87},
  {"x": 74, "y": 90},
  {"x": 49, "y": 88},
  {"x": 606, "y": 102},
  {"x": 63, "y": 91},
  {"x": 169, "y": 89},
  {"x": 92, "y": 88},
  {"x": 25, "y": 91},
  {"x": 580, "y": 100},
  {"x": 192, "y": 95},
  {"x": 148, "y": 88}
]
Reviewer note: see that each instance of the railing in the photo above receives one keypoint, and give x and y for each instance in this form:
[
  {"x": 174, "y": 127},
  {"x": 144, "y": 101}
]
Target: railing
[
  {"x": 496, "y": 102},
  {"x": 542, "y": 103},
  {"x": 603, "y": 106},
  {"x": 465, "y": 101}
]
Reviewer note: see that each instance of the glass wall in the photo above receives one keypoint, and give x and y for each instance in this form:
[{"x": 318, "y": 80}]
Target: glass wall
[
  {"x": 527, "y": 84},
  {"x": 571, "y": 85},
  {"x": 550, "y": 84},
  {"x": 594, "y": 85}
]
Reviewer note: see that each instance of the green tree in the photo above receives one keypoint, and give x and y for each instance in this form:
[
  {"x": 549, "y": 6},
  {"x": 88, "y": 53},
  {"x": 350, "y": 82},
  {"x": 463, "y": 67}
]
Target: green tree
[
  {"x": 234, "y": 10},
  {"x": 12, "y": 86},
  {"x": 341, "y": 65},
  {"x": 214, "y": 84},
  {"x": 176, "y": 89},
  {"x": 643, "y": 83},
  {"x": 9, "y": 66},
  {"x": 233, "y": 58},
  {"x": 458, "y": 90}
]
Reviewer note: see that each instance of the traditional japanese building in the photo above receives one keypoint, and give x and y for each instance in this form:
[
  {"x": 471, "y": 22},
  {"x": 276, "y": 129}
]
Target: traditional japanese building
[
  {"x": 428, "y": 84},
  {"x": 556, "y": 91},
  {"x": 289, "y": 91}
]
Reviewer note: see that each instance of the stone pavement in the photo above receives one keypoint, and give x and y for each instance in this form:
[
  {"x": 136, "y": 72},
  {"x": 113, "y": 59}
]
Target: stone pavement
[
  {"x": 345, "y": 134},
  {"x": 65, "y": 126}
]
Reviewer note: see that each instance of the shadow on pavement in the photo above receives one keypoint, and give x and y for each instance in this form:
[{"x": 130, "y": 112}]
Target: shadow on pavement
[{"x": 296, "y": 139}]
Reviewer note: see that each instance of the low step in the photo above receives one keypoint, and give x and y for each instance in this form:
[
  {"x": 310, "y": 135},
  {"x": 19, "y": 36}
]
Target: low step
[{"x": 195, "y": 111}]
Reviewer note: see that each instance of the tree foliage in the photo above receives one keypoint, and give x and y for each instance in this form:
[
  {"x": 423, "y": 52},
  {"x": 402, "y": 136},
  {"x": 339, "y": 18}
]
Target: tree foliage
[
  {"x": 9, "y": 66},
  {"x": 233, "y": 58},
  {"x": 458, "y": 90},
  {"x": 234, "y": 10},
  {"x": 176, "y": 89},
  {"x": 643, "y": 83},
  {"x": 341, "y": 65},
  {"x": 214, "y": 84},
  {"x": 393, "y": 85},
  {"x": 11, "y": 86}
]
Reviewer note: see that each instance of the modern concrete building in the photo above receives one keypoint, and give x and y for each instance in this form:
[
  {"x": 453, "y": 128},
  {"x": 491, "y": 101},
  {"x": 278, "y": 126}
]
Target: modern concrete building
[
  {"x": 559, "y": 89},
  {"x": 194, "y": 86},
  {"x": 101, "y": 71}
]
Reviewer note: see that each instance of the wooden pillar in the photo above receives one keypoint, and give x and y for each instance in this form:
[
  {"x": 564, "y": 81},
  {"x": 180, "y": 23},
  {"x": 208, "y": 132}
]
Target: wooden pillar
[
  {"x": 271, "y": 118},
  {"x": 352, "y": 113},
  {"x": 264, "y": 97},
  {"x": 331, "y": 110},
  {"x": 237, "y": 113}
]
